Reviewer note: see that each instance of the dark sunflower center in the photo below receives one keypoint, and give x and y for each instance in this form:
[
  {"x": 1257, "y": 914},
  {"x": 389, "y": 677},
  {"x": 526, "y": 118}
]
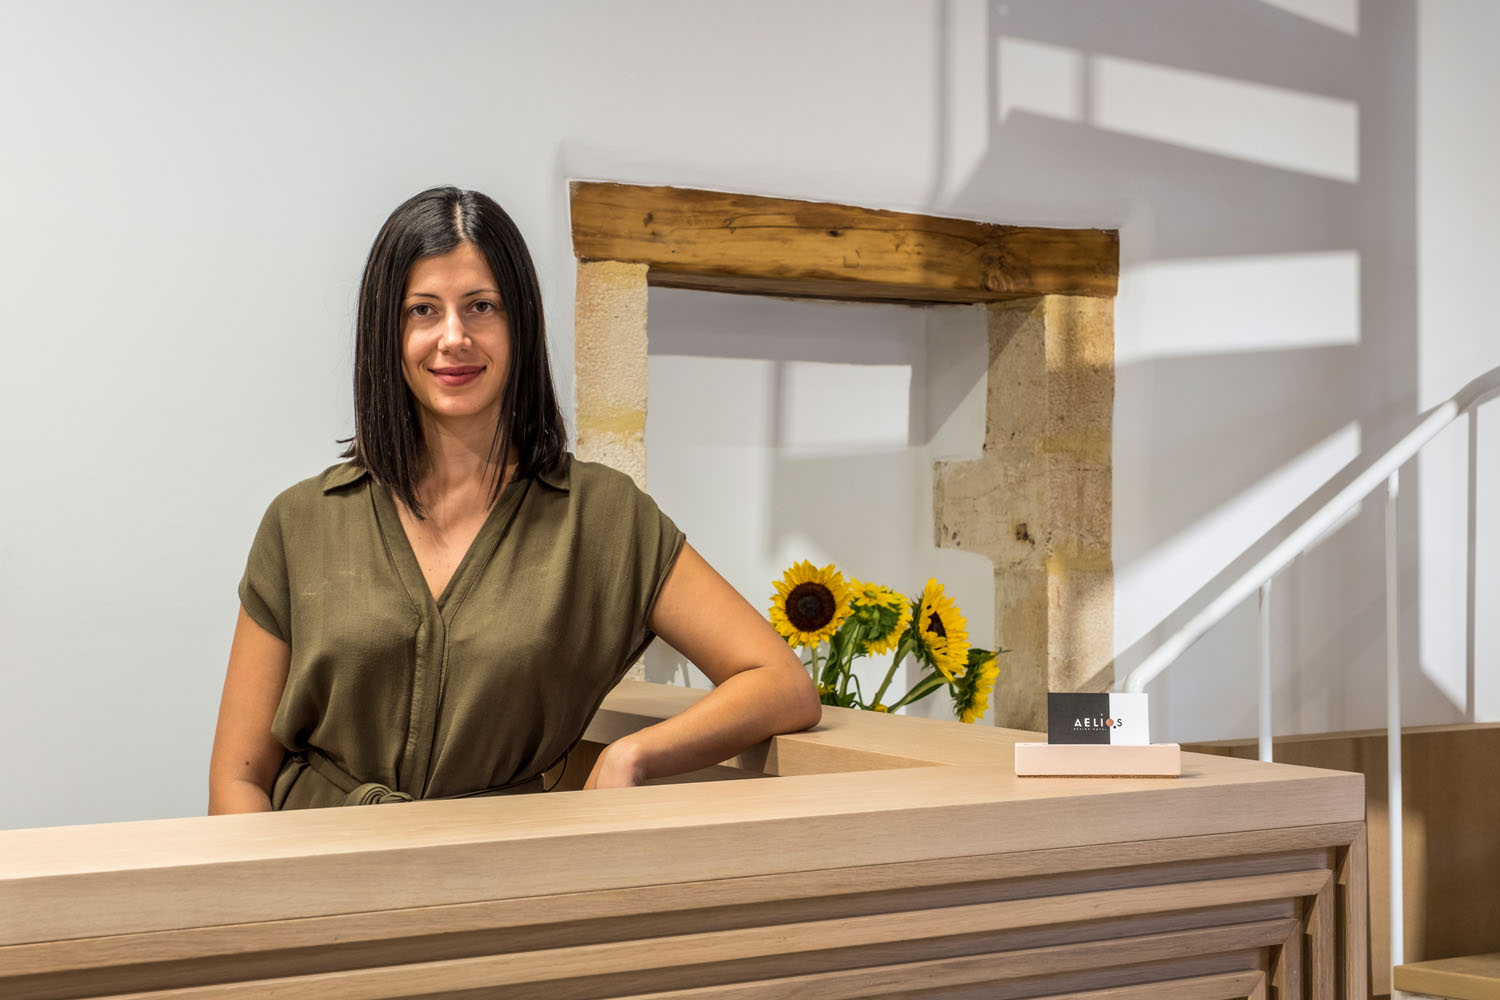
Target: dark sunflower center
[
  {"x": 810, "y": 606},
  {"x": 935, "y": 626}
]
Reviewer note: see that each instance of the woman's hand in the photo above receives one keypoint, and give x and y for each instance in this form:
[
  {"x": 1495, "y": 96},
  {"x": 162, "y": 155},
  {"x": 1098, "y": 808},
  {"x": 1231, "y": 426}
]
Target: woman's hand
[{"x": 617, "y": 766}]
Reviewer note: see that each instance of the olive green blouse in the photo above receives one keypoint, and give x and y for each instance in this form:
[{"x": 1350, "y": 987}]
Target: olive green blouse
[{"x": 482, "y": 689}]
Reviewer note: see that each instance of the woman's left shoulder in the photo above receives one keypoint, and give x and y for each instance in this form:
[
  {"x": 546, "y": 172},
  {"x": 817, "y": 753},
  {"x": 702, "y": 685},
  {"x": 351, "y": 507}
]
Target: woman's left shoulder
[
  {"x": 603, "y": 496},
  {"x": 595, "y": 480}
]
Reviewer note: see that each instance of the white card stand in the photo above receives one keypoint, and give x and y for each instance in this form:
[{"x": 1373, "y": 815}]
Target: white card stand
[{"x": 1098, "y": 760}]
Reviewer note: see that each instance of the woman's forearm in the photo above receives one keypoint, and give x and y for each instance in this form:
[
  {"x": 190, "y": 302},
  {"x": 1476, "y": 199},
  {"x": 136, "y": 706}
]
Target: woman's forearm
[
  {"x": 745, "y": 709},
  {"x": 237, "y": 796},
  {"x": 760, "y": 689}
]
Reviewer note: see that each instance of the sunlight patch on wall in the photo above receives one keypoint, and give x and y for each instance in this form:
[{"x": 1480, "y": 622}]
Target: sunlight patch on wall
[
  {"x": 1043, "y": 79},
  {"x": 1341, "y": 15},
  {"x": 1150, "y": 588},
  {"x": 1442, "y": 474},
  {"x": 1253, "y": 122},
  {"x": 1229, "y": 304}
]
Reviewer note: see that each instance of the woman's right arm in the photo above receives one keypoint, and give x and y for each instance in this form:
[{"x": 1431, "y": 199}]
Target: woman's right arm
[{"x": 246, "y": 757}]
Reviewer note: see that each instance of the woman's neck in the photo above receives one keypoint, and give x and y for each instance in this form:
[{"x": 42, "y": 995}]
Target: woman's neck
[{"x": 459, "y": 466}]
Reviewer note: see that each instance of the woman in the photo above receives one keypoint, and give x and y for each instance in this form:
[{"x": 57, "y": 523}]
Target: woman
[{"x": 442, "y": 615}]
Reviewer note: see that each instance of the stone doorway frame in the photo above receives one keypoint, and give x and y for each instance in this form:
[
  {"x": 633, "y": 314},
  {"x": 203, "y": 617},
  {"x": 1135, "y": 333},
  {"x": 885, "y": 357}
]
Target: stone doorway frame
[{"x": 1037, "y": 503}]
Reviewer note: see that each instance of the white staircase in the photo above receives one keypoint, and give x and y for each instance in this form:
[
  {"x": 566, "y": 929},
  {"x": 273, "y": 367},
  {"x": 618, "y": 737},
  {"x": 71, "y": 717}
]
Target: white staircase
[{"x": 1369, "y": 473}]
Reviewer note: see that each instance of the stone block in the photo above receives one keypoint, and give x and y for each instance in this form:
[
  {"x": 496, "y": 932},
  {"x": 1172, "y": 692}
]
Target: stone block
[
  {"x": 1080, "y": 618},
  {"x": 1080, "y": 375},
  {"x": 1079, "y": 497},
  {"x": 994, "y": 507},
  {"x": 1020, "y": 696},
  {"x": 609, "y": 356},
  {"x": 1016, "y": 387},
  {"x": 1038, "y": 502}
]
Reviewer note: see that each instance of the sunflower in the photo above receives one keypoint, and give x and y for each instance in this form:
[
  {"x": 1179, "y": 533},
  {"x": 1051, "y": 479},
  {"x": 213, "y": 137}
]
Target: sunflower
[
  {"x": 881, "y": 614},
  {"x": 941, "y": 633},
  {"x": 810, "y": 604},
  {"x": 971, "y": 692}
]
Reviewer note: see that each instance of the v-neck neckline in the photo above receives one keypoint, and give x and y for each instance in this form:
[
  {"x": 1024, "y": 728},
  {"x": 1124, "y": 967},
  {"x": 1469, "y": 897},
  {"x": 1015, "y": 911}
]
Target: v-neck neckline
[{"x": 404, "y": 555}]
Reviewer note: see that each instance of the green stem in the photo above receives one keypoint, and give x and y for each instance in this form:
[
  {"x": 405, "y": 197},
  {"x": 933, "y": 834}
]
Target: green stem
[
  {"x": 830, "y": 666},
  {"x": 859, "y": 693},
  {"x": 846, "y": 659},
  {"x": 922, "y": 689},
  {"x": 901, "y": 651}
]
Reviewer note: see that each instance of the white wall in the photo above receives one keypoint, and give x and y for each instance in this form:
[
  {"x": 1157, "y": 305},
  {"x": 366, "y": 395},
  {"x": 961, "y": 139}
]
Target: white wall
[
  {"x": 192, "y": 188},
  {"x": 1459, "y": 337}
]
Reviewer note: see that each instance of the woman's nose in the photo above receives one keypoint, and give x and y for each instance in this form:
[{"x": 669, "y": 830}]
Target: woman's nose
[{"x": 454, "y": 331}]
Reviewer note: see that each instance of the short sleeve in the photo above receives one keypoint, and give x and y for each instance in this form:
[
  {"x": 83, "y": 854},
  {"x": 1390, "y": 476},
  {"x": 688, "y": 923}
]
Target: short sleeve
[
  {"x": 265, "y": 592},
  {"x": 658, "y": 542}
]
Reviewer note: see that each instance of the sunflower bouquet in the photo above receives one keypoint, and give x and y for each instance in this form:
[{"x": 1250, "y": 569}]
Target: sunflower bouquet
[{"x": 836, "y": 620}]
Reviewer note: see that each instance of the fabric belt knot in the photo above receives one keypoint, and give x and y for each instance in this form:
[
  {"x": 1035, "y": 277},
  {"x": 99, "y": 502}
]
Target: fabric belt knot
[
  {"x": 355, "y": 794},
  {"x": 371, "y": 793},
  {"x": 374, "y": 793}
]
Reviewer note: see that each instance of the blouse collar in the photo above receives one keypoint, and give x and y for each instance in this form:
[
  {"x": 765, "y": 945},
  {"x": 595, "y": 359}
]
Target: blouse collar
[{"x": 350, "y": 472}]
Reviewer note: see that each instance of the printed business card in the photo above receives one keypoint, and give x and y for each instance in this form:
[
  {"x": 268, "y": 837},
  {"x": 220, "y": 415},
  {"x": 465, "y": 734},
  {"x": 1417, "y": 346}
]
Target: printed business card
[{"x": 1118, "y": 719}]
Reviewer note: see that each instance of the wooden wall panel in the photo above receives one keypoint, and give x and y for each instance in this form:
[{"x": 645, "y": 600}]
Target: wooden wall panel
[
  {"x": 1451, "y": 832},
  {"x": 1032, "y": 927}
]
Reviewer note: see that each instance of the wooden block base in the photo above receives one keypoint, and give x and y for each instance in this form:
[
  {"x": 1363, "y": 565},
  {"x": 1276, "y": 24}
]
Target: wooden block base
[
  {"x": 1067, "y": 760},
  {"x": 1474, "y": 977}
]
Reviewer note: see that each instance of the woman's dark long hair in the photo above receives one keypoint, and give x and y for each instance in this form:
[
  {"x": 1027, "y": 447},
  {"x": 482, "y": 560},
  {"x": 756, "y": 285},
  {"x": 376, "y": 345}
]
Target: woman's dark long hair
[{"x": 388, "y": 438}]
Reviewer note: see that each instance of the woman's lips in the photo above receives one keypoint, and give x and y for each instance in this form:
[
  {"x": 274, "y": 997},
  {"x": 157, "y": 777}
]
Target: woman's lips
[{"x": 457, "y": 374}]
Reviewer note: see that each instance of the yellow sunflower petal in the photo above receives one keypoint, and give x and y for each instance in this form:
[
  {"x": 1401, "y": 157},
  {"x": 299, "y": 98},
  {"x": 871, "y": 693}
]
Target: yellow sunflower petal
[
  {"x": 942, "y": 632},
  {"x": 971, "y": 693},
  {"x": 882, "y": 614}
]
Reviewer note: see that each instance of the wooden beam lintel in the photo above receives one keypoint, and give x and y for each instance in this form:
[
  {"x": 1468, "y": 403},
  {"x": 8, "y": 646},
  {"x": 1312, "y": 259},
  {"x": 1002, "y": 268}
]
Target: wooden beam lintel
[{"x": 750, "y": 244}]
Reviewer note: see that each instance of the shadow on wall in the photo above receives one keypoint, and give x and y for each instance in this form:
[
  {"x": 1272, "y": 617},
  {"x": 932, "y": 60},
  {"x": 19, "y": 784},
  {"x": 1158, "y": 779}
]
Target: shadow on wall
[{"x": 1259, "y": 160}]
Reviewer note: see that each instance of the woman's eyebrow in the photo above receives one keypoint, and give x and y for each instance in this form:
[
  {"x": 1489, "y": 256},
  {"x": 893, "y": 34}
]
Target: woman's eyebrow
[{"x": 475, "y": 291}]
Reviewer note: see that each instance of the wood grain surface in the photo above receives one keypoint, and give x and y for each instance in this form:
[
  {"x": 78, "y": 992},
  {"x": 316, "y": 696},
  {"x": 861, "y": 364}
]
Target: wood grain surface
[
  {"x": 1467, "y": 977},
  {"x": 715, "y": 241},
  {"x": 931, "y": 870},
  {"x": 1450, "y": 839}
]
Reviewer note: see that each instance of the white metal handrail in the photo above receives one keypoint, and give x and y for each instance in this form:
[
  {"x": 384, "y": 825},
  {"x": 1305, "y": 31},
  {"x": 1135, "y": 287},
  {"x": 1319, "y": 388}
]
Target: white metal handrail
[
  {"x": 1384, "y": 468},
  {"x": 1377, "y": 472}
]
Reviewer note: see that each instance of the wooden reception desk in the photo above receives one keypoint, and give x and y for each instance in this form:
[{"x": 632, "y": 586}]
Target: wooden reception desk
[{"x": 877, "y": 856}]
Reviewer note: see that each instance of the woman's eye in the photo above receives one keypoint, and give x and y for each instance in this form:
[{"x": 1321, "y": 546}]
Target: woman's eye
[
  {"x": 485, "y": 307},
  {"x": 420, "y": 309}
]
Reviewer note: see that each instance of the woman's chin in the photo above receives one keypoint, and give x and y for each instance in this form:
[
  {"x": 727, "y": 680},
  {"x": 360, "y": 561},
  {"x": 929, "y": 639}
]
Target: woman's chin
[{"x": 456, "y": 414}]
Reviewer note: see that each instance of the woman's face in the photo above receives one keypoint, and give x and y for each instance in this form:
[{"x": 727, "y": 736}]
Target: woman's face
[{"x": 455, "y": 339}]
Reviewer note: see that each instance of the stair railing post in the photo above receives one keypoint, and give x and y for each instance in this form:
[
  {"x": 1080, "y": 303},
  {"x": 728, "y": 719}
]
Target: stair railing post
[
  {"x": 1393, "y": 721},
  {"x": 1265, "y": 671}
]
